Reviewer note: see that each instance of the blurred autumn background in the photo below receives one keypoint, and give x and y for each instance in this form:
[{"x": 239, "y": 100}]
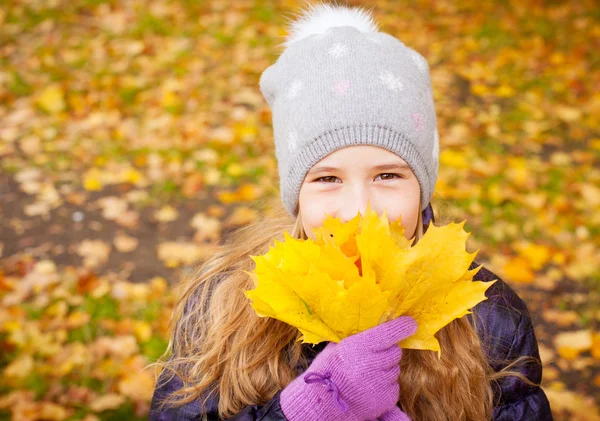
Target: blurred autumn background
[{"x": 134, "y": 138}]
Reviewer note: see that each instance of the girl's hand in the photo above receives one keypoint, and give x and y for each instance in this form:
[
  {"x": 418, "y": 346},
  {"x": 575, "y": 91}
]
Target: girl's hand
[{"x": 354, "y": 380}]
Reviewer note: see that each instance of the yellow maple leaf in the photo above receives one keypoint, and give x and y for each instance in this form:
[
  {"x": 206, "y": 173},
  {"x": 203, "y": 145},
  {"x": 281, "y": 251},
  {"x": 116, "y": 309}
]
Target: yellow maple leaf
[{"x": 358, "y": 274}]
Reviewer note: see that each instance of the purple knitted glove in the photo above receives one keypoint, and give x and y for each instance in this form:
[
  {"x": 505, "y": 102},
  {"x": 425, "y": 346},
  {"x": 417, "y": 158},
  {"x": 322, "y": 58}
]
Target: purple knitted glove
[
  {"x": 393, "y": 414},
  {"x": 354, "y": 380}
]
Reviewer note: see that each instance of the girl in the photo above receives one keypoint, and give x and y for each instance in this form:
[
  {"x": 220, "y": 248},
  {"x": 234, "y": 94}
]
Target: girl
[{"x": 354, "y": 122}]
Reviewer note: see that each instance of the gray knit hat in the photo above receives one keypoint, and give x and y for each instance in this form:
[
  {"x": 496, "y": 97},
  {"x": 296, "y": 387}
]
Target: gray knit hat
[{"x": 339, "y": 82}]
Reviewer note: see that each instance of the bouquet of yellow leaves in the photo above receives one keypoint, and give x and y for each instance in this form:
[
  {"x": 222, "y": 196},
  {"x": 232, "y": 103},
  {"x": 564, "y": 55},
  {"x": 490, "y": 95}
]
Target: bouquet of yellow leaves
[{"x": 359, "y": 274}]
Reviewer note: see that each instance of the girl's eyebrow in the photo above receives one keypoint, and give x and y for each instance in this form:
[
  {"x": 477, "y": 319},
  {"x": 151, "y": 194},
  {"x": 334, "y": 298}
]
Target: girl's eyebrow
[
  {"x": 382, "y": 167},
  {"x": 399, "y": 166},
  {"x": 318, "y": 170}
]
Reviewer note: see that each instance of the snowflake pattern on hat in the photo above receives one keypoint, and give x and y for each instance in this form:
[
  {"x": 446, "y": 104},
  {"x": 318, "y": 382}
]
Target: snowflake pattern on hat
[
  {"x": 292, "y": 140},
  {"x": 419, "y": 123},
  {"x": 294, "y": 89},
  {"x": 418, "y": 60},
  {"x": 391, "y": 81},
  {"x": 341, "y": 86},
  {"x": 338, "y": 50}
]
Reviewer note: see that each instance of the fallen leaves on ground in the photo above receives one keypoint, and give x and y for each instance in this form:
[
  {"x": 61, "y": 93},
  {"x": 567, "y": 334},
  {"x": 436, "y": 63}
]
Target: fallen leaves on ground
[
  {"x": 111, "y": 112},
  {"x": 66, "y": 354}
]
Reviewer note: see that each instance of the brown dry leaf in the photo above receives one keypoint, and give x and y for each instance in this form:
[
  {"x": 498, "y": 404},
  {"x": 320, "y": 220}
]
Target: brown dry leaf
[
  {"x": 52, "y": 412},
  {"x": 112, "y": 207},
  {"x": 192, "y": 184},
  {"x": 14, "y": 397},
  {"x": 77, "y": 319},
  {"x": 120, "y": 346},
  {"x": 125, "y": 243},
  {"x": 546, "y": 355},
  {"x": 37, "y": 209},
  {"x": 166, "y": 214},
  {"x": 94, "y": 252},
  {"x": 571, "y": 344},
  {"x": 568, "y": 114},
  {"x": 128, "y": 219},
  {"x": 31, "y": 145},
  {"x": 580, "y": 407},
  {"x": 215, "y": 210},
  {"x": 76, "y": 198},
  {"x": 585, "y": 261},
  {"x": 19, "y": 368},
  {"x": 242, "y": 215},
  {"x": 137, "y": 385},
  {"x": 109, "y": 401},
  {"x": 29, "y": 180},
  {"x": 591, "y": 194},
  {"x": 137, "y": 196},
  {"x": 174, "y": 254},
  {"x": 127, "y": 290},
  {"x": 207, "y": 228},
  {"x": 28, "y": 175},
  {"x": 551, "y": 373},
  {"x": 70, "y": 358},
  {"x": 42, "y": 276},
  {"x": 561, "y": 317}
]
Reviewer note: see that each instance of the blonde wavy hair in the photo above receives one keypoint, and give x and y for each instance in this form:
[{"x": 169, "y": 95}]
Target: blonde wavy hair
[{"x": 220, "y": 346}]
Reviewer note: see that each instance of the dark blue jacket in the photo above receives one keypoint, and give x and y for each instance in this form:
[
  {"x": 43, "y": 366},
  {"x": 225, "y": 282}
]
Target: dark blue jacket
[{"x": 505, "y": 328}]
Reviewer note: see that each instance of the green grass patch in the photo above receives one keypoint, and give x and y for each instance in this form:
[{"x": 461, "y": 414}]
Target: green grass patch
[
  {"x": 264, "y": 13},
  {"x": 104, "y": 307},
  {"x": 129, "y": 95},
  {"x": 154, "y": 348},
  {"x": 37, "y": 383},
  {"x": 151, "y": 311},
  {"x": 224, "y": 39},
  {"x": 148, "y": 23},
  {"x": 18, "y": 85},
  {"x": 83, "y": 334},
  {"x": 125, "y": 412},
  {"x": 495, "y": 35}
]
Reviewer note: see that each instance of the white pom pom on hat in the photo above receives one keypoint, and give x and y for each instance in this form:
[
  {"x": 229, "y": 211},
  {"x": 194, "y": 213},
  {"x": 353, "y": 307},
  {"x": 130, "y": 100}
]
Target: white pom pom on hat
[{"x": 320, "y": 17}]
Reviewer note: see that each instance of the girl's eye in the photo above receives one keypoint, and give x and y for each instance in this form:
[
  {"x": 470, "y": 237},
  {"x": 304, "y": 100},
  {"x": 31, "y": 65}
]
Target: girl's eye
[
  {"x": 327, "y": 179},
  {"x": 388, "y": 176}
]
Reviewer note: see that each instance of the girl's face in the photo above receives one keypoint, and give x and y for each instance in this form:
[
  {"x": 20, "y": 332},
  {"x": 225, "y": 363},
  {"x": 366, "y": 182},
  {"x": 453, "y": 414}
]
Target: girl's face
[{"x": 344, "y": 181}]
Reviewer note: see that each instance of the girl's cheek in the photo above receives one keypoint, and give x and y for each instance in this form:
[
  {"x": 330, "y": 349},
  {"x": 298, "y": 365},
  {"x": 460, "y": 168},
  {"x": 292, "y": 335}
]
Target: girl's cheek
[
  {"x": 406, "y": 209},
  {"x": 312, "y": 216}
]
